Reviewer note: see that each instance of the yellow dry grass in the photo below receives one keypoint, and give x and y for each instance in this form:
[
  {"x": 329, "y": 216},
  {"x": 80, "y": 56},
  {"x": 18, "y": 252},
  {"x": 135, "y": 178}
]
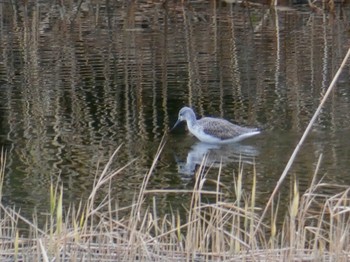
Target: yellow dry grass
[{"x": 316, "y": 227}]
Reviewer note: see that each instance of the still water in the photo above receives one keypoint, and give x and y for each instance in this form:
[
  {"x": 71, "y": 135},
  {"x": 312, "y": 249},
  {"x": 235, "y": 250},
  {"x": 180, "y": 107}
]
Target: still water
[{"x": 77, "y": 81}]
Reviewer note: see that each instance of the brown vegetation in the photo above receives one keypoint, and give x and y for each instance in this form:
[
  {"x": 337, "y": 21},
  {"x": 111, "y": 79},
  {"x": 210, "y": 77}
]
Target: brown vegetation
[{"x": 315, "y": 228}]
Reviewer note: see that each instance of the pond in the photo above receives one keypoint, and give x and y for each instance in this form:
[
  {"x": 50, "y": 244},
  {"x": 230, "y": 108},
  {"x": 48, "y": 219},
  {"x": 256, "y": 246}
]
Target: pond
[{"x": 81, "y": 79}]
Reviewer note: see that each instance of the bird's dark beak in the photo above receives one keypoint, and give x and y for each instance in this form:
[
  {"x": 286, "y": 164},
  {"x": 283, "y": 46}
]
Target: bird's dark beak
[{"x": 177, "y": 122}]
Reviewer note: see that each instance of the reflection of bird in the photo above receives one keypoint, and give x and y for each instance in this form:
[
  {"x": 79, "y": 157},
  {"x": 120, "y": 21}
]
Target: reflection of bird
[
  {"x": 215, "y": 155},
  {"x": 214, "y": 130}
]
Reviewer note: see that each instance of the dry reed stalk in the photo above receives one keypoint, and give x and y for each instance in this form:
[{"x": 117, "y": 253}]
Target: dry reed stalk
[
  {"x": 305, "y": 134},
  {"x": 2, "y": 169},
  {"x": 135, "y": 242}
]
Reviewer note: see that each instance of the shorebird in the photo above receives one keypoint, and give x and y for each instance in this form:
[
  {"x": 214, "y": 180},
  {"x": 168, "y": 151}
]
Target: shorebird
[{"x": 214, "y": 130}]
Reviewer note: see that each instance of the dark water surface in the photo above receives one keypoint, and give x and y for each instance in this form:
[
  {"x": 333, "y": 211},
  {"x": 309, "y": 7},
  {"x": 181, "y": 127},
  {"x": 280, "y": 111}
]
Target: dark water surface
[{"x": 78, "y": 81}]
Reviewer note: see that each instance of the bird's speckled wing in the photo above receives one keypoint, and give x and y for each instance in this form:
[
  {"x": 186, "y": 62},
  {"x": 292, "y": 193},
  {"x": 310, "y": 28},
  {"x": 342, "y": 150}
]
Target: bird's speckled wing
[{"x": 222, "y": 128}]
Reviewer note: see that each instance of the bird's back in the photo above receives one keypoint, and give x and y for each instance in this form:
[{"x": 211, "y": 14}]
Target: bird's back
[{"x": 224, "y": 129}]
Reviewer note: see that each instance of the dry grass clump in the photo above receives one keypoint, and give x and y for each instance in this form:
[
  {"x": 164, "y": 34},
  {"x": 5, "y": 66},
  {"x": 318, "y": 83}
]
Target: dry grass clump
[{"x": 315, "y": 228}]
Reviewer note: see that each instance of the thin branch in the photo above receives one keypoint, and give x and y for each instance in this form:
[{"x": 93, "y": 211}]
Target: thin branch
[{"x": 306, "y": 132}]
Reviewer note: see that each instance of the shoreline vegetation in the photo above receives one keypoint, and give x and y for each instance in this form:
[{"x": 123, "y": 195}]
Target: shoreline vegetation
[{"x": 315, "y": 227}]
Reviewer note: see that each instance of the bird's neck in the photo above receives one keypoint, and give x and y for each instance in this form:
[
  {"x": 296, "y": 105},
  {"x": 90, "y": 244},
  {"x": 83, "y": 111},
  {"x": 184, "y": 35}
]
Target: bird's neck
[{"x": 191, "y": 121}]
